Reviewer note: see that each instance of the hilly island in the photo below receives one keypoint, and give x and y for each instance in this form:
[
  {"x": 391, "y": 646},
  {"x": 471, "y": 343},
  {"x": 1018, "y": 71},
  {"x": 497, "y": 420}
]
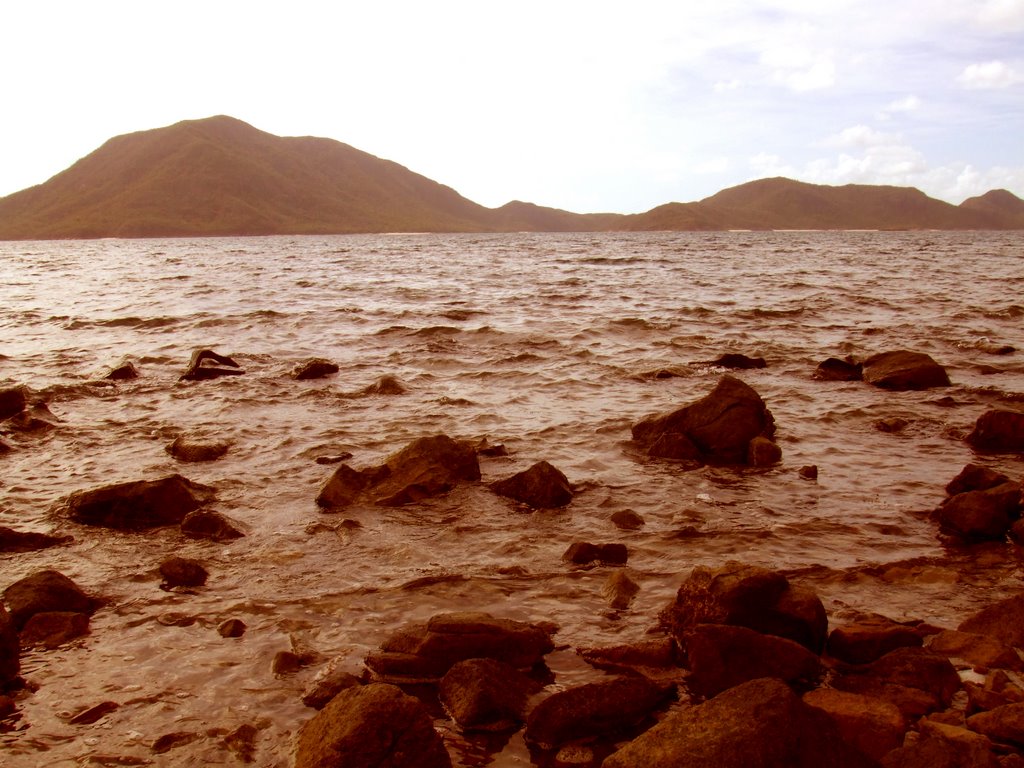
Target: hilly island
[{"x": 220, "y": 176}]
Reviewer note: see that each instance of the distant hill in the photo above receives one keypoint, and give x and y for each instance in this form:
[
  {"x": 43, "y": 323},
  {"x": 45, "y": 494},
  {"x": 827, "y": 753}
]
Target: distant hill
[{"x": 221, "y": 176}]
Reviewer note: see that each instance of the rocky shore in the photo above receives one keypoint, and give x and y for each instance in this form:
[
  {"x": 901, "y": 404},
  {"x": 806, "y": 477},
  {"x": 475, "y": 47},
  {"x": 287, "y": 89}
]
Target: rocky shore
[{"x": 745, "y": 667}]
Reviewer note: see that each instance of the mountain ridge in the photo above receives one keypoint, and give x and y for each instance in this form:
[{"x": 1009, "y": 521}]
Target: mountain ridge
[{"x": 221, "y": 176}]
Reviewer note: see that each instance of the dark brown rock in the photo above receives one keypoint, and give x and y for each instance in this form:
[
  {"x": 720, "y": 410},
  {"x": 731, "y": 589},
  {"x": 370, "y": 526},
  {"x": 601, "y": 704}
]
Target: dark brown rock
[
  {"x": 873, "y": 726},
  {"x": 94, "y": 713},
  {"x": 326, "y": 685},
  {"x": 28, "y": 541},
  {"x": 975, "y": 477},
  {"x": 944, "y": 746},
  {"x": 738, "y": 361},
  {"x": 198, "y": 370},
  {"x": 315, "y": 368},
  {"x": 289, "y": 662},
  {"x": 762, "y": 452},
  {"x": 891, "y": 425},
  {"x": 10, "y": 648},
  {"x": 809, "y": 472},
  {"x": 914, "y": 679},
  {"x": 385, "y": 385},
  {"x": 192, "y": 449},
  {"x": 981, "y": 515},
  {"x": 760, "y": 724},
  {"x": 593, "y": 709},
  {"x": 583, "y": 553},
  {"x": 542, "y": 486},
  {"x": 371, "y": 726},
  {"x": 43, "y": 592},
  {"x": 1002, "y": 621},
  {"x": 620, "y": 589},
  {"x": 722, "y": 656},
  {"x": 183, "y": 572},
  {"x": 869, "y": 638},
  {"x": 242, "y": 742},
  {"x": 904, "y": 370},
  {"x": 834, "y": 369},
  {"x": 231, "y": 628},
  {"x": 53, "y": 628},
  {"x": 628, "y": 520},
  {"x": 648, "y": 657},
  {"x": 1003, "y": 724},
  {"x": 139, "y": 505},
  {"x": 977, "y": 650},
  {"x": 173, "y": 740},
  {"x": 485, "y": 694},
  {"x": 717, "y": 429},
  {"x": 204, "y": 524},
  {"x": 12, "y": 401},
  {"x": 123, "y": 371},
  {"x": 998, "y": 431}
]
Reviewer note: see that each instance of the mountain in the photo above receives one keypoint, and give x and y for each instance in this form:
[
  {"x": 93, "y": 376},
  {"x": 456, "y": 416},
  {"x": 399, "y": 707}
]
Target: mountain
[{"x": 221, "y": 176}]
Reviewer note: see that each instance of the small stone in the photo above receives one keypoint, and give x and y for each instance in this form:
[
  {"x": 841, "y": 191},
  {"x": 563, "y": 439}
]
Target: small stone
[
  {"x": 891, "y": 425},
  {"x": 809, "y": 472},
  {"x": 183, "y": 572},
  {"x": 213, "y": 526},
  {"x": 627, "y": 520},
  {"x": 316, "y": 368},
  {"x": 170, "y": 741},
  {"x": 92, "y": 714},
  {"x": 231, "y": 628},
  {"x": 287, "y": 662}
]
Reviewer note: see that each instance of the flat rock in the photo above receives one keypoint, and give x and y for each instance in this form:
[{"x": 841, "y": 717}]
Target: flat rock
[
  {"x": 372, "y": 726},
  {"x": 915, "y": 680},
  {"x": 870, "y": 637},
  {"x": 902, "y": 370},
  {"x": 28, "y": 541},
  {"x": 193, "y": 449},
  {"x": 53, "y": 628},
  {"x": 485, "y": 694},
  {"x": 542, "y": 486},
  {"x": 977, "y": 650},
  {"x": 999, "y": 430},
  {"x": 43, "y": 592},
  {"x": 1002, "y": 621},
  {"x": 737, "y": 361},
  {"x": 944, "y": 746},
  {"x": 1003, "y": 724},
  {"x": 873, "y": 726},
  {"x": 138, "y": 505}
]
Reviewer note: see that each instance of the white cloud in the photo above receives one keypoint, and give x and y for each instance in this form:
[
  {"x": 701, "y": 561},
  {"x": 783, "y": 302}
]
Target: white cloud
[
  {"x": 726, "y": 85},
  {"x": 800, "y": 69},
  {"x": 991, "y": 74},
  {"x": 859, "y": 136}
]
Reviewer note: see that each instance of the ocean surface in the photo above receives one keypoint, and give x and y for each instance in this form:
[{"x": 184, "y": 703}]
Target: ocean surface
[{"x": 548, "y": 344}]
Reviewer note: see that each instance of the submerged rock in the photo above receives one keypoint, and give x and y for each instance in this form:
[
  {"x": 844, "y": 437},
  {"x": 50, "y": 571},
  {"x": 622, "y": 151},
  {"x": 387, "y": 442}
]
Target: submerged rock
[
  {"x": 45, "y": 592},
  {"x": 485, "y": 694},
  {"x": 183, "y": 572},
  {"x": 137, "y": 505},
  {"x": 198, "y": 370},
  {"x": 327, "y": 684},
  {"x": 542, "y": 486},
  {"x": 902, "y": 370},
  {"x": 717, "y": 429},
  {"x": 28, "y": 541},
  {"x": 737, "y": 361},
  {"x": 314, "y": 368},
  {"x": 385, "y": 385},
  {"x": 987, "y": 514},
  {"x": 123, "y": 371},
  {"x": 204, "y": 524},
  {"x": 998, "y": 431},
  {"x": 192, "y": 449},
  {"x": 583, "y": 553},
  {"x": 628, "y": 520},
  {"x": 371, "y": 726},
  {"x": 12, "y": 401},
  {"x": 834, "y": 369}
]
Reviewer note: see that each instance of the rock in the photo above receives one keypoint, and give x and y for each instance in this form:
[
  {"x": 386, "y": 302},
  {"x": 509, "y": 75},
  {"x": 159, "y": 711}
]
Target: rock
[
  {"x": 981, "y": 515},
  {"x": 425, "y": 652},
  {"x": 53, "y": 628},
  {"x": 36, "y": 418},
  {"x": 873, "y": 726},
  {"x": 542, "y": 486},
  {"x": 620, "y": 589},
  {"x": 204, "y": 524},
  {"x": 869, "y": 638},
  {"x": 1002, "y": 621},
  {"x": 123, "y": 371},
  {"x": 760, "y": 724},
  {"x": 242, "y": 741},
  {"x": 891, "y": 425},
  {"x": 998, "y": 431},
  {"x": 10, "y": 649},
  {"x": 809, "y": 472},
  {"x": 977, "y": 650},
  {"x": 628, "y": 520},
  {"x": 747, "y": 596},
  {"x": 314, "y": 368},
  {"x": 5, "y": 448},
  {"x": 485, "y": 694},
  {"x": 231, "y": 628},
  {"x": 486, "y": 448},
  {"x": 385, "y": 385},
  {"x": 173, "y": 740},
  {"x": 289, "y": 662},
  {"x": 191, "y": 449},
  {"x": 997, "y": 690},
  {"x": 429, "y": 466},
  {"x": 182, "y": 572},
  {"x": 762, "y": 452},
  {"x": 737, "y": 361},
  {"x": 834, "y": 369},
  {"x": 12, "y": 401},
  {"x": 139, "y": 505},
  {"x": 43, "y": 592},
  {"x": 198, "y": 370},
  {"x": 1003, "y": 724},
  {"x": 591, "y": 710},
  {"x": 27, "y": 541},
  {"x": 903, "y": 371},
  {"x": 328, "y": 683},
  {"x": 717, "y": 429},
  {"x": 94, "y": 713},
  {"x": 722, "y": 656},
  {"x": 583, "y": 553},
  {"x": 943, "y": 746},
  {"x": 914, "y": 679},
  {"x": 651, "y": 657},
  {"x": 975, "y": 477},
  {"x": 371, "y": 726}
]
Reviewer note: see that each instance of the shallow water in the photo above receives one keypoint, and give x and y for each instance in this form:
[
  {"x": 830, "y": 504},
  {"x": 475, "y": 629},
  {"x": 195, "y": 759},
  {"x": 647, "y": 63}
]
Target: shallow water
[{"x": 540, "y": 342}]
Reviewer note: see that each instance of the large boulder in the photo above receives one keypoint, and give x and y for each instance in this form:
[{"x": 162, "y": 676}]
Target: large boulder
[
  {"x": 717, "y": 429},
  {"x": 542, "y": 486},
  {"x": 915, "y": 680},
  {"x": 747, "y": 596},
  {"x": 53, "y": 628},
  {"x": 46, "y": 591},
  {"x": 981, "y": 515},
  {"x": 998, "y": 431},
  {"x": 1003, "y": 724},
  {"x": 1002, "y": 621},
  {"x": 759, "y": 724},
  {"x": 485, "y": 694},
  {"x": 372, "y": 726},
  {"x": 10, "y": 649},
  {"x": 974, "y": 477},
  {"x": 138, "y": 505},
  {"x": 425, "y": 652},
  {"x": 903, "y": 370},
  {"x": 593, "y": 709},
  {"x": 428, "y": 466},
  {"x": 874, "y": 726}
]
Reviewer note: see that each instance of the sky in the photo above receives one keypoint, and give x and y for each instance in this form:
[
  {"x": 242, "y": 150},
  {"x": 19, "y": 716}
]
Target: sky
[{"x": 586, "y": 106}]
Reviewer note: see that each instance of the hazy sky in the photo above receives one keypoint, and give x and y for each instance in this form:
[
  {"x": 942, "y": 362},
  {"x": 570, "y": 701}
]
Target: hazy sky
[{"x": 588, "y": 106}]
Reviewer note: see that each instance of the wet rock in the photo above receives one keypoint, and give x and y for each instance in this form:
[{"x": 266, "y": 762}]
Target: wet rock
[
  {"x": 620, "y": 589},
  {"x": 1003, "y": 724},
  {"x": 761, "y": 723},
  {"x": 943, "y": 746},
  {"x": 290, "y": 662},
  {"x": 975, "y": 477},
  {"x": 998, "y": 431},
  {"x": 981, "y": 515},
  {"x": 762, "y": 452},
  {"x": 385, "y": 385},
  {"x": 198, "y": 370},
  {"x": 138, "y": 505},
  {"x": 51, "y": 629},
  {"x": 583, "y": 553},
  {"x": 891, "y": 425},
  {"x": 94, "y": 713},
  {"x": 43, "y": 592},
  {"x": 27, "y": 541},
  {"x": 593, "y": 709},
  {"x": 869, "y": 638},
  {"x": 485, "y": 694},
  {"x": 10, "y": 649},
  {"x": 834, "y": 369},
  {"x": 328, "y": 683},
  {"x": 809, "y": 472},
  {"x": 314, "y": 368},
  {"x": 1002, "y": 621},
  {"x": 873, "y": 726},
  {"x": 722, "y": 656},
  {"x": 336, "y": 458},
  {"x": 903, "y": 370},
  {"x": 204, "y": 524},
  {"x": 4, "y": 447},
  {"x": 12, "y": 401},
  {"x": 717, "y": 429},
  {"x": 231, "y": 628},
  {"x": 429, "y": 466},
  {"x": 977, "y": 650},
  {"x": 628, "y": 520},
  {"x": 542, "y": 486},
  {"x": 182, "y": 572},
  {"x": 170, "y": 741},
  {"x": 192, "y": 449},
  {"x": 737, "y": 361},
  {"x": 425, "y": 652},
  {"x": 916, "y": 680},
  {"x": 242, "y": 742},
  {"x": 747, "y": 596},
  {"x": 651, "y": 658},
  {"x": 997, "y": 690},
  {"x": 370, "y": 727},
  {"x": 36, "y": 418},
  {"x": 123, "y": 371}
]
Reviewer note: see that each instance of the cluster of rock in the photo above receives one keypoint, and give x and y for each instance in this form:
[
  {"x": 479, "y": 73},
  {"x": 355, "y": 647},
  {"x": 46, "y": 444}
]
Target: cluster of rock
[
  {"x": 899, "y": 370},
  {"x": 982, "y": 504}
]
